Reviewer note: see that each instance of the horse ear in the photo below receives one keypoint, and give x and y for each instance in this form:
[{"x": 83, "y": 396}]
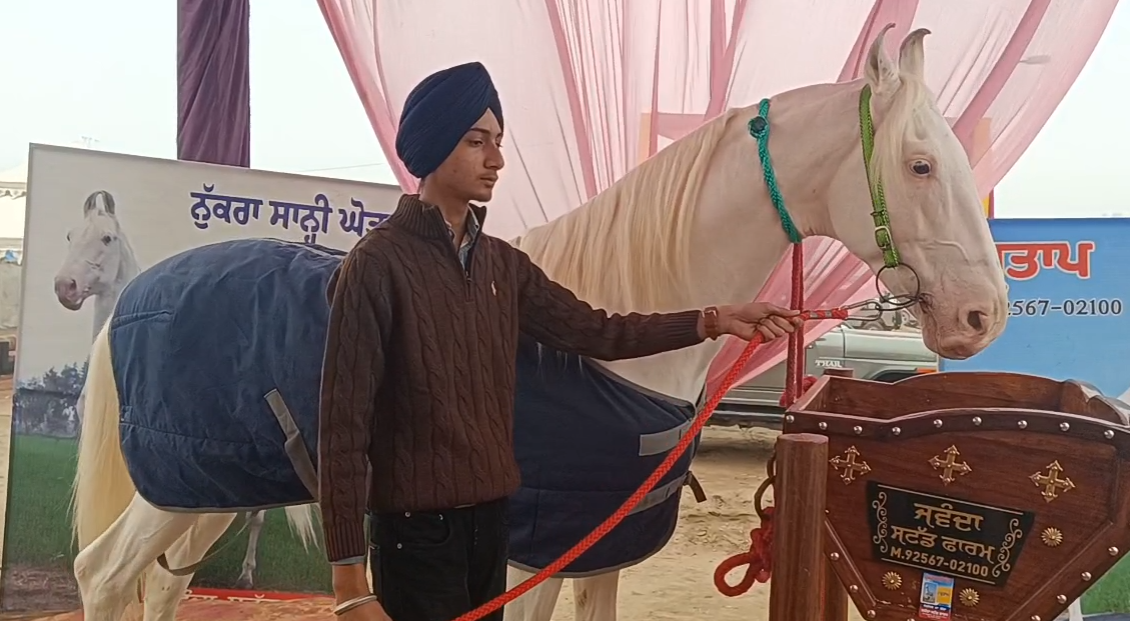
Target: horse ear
[
  {"x": 912, "y": 58},
  {"x": 881, "y": 72},
  {"x": 109, "y": 200},
  {"x": 91, "y": 203}
]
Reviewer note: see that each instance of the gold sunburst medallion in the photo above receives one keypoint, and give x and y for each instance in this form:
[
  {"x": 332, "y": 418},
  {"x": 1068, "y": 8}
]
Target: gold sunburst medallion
[
  {"x": 969, "y": 597},
  {"x": 1051, "y": 537},
  {"x": 892, "y": 581}
]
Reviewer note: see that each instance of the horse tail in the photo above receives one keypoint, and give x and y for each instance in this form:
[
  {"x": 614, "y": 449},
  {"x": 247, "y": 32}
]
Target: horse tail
[
  {"x": 301, "y": 521},
  {"x": 102, "y": 487}
]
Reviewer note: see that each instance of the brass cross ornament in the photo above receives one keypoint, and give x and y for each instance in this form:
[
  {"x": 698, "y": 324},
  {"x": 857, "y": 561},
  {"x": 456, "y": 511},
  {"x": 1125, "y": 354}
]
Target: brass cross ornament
[
  {"x": 850, "y": 466},
  {"x": 1051, "y": 482},
  {"x": 950, "y": 465}
]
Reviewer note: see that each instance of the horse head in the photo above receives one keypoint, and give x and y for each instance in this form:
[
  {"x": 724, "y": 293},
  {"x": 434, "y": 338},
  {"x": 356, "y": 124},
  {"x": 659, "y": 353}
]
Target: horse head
[
  {"x": 96, "y": 254},
  {"x": 938, "y": 227},
  {"x": 909, "y": 208}
]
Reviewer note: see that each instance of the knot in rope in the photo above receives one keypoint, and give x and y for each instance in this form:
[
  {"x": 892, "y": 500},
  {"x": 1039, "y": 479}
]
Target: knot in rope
[{"x": 758, "y": 560}]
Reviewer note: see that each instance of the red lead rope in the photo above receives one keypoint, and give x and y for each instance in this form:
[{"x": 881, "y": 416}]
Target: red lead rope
[
  {"x": 794, "y": 370},
  {"x": 613, "y": 520},
  {"x": 758, "y": 561}
]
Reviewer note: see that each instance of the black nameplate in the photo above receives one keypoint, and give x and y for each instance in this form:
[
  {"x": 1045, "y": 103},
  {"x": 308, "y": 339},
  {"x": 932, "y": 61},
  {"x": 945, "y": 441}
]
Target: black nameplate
[{"x": 945, "y": 535}]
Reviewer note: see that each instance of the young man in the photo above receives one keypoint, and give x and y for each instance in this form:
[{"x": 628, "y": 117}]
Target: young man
[{"x": 418, "y": 382}]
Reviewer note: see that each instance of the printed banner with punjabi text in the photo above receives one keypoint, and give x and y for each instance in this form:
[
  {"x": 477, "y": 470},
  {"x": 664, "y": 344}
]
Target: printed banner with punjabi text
[
  {"x": 1068, "y": 319},
  {"x": 1068, "y": 293},
  {"x": 143, "y": 211}
]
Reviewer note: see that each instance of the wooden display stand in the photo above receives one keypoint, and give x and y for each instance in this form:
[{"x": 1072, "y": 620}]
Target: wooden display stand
[{"x": 948, "y": 497}]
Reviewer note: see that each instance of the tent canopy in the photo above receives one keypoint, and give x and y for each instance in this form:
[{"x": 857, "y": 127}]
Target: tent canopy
[{"x": 13, "y": 192}]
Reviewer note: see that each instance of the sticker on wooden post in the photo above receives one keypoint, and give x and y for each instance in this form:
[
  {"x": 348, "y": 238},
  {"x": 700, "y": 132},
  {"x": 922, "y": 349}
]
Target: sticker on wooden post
[{"x": 935, "y": 600}]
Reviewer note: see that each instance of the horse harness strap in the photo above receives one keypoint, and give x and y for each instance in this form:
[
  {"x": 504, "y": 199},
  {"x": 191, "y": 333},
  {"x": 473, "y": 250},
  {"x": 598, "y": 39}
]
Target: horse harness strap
[
  {"x": 294, "y": 446},
  {"x": 759, "y": 130},
  {"x": 188, "y": 570},
  {"x": 879, "y": 214},
  {"x": 299, "y": 458}
]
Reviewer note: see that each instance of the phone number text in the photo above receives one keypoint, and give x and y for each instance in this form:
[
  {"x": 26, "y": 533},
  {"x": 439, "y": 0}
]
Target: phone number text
[
  {"x": 1079, "y": 307},
  {"x": 953, "y": 565}
]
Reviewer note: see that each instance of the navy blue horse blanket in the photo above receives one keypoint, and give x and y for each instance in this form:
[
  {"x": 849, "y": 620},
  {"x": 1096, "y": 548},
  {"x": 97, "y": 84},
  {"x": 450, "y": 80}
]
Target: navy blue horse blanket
[
  {"x": 217, "y": 355},
  {"x": 585, "y": 441},
  {"x": 198, "y": 341}
]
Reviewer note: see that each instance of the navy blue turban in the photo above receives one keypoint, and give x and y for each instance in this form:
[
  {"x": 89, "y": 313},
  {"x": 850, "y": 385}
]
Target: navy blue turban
[{"x": 439, "y": 111}]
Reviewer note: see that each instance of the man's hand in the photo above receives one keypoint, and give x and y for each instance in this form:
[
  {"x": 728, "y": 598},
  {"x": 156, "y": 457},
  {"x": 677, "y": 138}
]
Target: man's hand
[{"x": 768, "y": 320}]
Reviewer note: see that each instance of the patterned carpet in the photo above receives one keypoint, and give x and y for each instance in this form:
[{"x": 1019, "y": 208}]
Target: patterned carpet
[{"x": 197, "y": 610}]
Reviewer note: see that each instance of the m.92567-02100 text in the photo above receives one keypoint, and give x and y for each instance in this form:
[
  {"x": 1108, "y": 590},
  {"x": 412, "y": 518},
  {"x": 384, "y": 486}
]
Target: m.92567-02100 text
[{"x": 1075, "y": 307}]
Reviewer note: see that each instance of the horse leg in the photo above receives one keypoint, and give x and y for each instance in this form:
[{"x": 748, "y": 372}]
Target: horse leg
[
  {"x": 107, "y": 570},
  {"x": 79, "y": 404},
  {"x": 595, "y": 597},
  {"x": 255, "y": 521},
  {"x": 163, "y": 590},
  {"x": 538, "y": 604}
]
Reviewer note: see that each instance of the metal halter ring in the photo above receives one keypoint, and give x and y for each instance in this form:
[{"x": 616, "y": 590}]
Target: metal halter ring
[
  {"x": 873, "y": 309},
  {"x": 898, "y": 302}
]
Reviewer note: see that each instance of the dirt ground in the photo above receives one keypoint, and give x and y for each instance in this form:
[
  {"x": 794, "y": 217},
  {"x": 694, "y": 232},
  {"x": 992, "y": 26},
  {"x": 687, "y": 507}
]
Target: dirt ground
[
  {"x": 678, "y": 583},
  {"x": 675, "y": 584}
]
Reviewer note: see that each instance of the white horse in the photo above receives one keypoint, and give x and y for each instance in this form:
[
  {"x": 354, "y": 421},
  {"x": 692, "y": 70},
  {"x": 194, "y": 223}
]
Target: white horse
[
  {"x": 691, "y": 226},
  {"x": 99, "y": 263},
  {"x": 721, "y": 238}
]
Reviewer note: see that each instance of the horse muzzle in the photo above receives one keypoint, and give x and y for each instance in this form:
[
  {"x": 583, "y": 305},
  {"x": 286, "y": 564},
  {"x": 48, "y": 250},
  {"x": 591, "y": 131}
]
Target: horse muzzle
[{"x": 68, "y": 293}]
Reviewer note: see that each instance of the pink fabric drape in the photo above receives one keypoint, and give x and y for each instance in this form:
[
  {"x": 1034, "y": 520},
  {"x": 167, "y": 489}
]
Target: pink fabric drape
[{"x": 590, "y": 88}]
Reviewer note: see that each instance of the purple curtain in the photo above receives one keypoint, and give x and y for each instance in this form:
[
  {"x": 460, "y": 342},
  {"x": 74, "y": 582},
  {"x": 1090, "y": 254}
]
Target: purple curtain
[{"x": 213, "y": 83}]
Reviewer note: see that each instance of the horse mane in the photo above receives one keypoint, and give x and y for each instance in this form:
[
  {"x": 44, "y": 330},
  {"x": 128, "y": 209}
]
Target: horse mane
[
  {"x": 628, "y": 248},
  {"x": 908, "y": 100},
  {"x": 651, "y": 210}
]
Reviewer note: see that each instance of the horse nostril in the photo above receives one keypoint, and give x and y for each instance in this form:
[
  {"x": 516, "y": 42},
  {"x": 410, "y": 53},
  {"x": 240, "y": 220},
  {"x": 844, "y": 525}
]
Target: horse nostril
[
  {"x": 975, "y": 319},
  {"x": 66, "y": 286}
]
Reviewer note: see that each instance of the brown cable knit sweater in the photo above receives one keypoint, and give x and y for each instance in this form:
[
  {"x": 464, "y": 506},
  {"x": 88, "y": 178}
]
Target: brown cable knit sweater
[{"x": 419, "y": 369}]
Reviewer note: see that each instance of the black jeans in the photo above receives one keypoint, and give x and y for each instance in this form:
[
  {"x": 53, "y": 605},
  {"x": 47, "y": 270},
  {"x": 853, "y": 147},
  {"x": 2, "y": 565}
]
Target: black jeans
[{"x": 437, "y": 565}]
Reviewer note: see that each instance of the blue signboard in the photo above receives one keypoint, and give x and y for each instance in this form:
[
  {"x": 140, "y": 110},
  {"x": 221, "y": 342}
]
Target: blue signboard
[{"x": 1069, "y": 302}]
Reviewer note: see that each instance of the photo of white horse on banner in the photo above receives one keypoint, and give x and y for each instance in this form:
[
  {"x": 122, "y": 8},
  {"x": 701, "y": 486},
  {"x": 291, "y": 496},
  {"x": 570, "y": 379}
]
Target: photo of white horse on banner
[{"x": 100, "y": 262}]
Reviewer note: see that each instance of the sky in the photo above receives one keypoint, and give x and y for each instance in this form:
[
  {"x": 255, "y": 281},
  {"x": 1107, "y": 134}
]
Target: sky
[{"x": 107, "y": 73}]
